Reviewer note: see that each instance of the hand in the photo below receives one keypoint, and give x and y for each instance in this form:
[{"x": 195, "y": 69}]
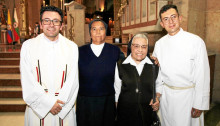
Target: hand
[
  {"x": 155, "y": 60},
  {"x": 56, "y": 107},
  {"x": 195, "y": 113},
  {"x": 155, "y": 105}
]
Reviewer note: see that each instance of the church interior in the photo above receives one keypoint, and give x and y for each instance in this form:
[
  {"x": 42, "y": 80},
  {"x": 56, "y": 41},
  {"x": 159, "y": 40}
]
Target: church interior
[{"x": 124, "y": 18}]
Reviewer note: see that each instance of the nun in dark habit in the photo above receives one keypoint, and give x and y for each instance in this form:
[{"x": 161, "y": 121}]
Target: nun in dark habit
[{"x": 134, "y": 85}]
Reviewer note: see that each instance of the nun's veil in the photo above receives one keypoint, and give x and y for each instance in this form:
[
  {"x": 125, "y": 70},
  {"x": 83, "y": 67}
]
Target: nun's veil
[{"x": 129, "y": 48}]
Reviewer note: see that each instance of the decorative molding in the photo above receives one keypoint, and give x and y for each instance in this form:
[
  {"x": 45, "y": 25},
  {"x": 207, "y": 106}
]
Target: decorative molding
[
  {"x": 124, "y": 3},
  {"x": 71, "y": 30},
  {"x": 145, "y": 24},
  {"x": 147, "y": 21},
  {"x": 23, "y": 31}
]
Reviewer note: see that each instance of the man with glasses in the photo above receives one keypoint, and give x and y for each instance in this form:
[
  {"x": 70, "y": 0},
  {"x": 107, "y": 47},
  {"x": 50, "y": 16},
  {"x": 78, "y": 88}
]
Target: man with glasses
[
  {"x": 184, "y": 76},
  {"x": 49, "y": 74}
]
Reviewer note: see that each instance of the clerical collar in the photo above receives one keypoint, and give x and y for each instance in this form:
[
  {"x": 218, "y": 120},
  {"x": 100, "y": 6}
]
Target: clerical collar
[
  {"x": 177, "y": 34},
  {"x": 48, "y": 40}
]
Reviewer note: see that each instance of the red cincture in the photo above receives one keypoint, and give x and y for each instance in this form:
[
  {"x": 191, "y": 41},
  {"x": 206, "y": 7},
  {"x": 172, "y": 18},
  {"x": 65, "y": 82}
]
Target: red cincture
[
  {"x": 61, "y": 122},
  {"x": 56, "y": 94},
  {"x": 37, "y": 74},
  {"x": 62, "y": 79},
  {"x": 43, "y": 122}
]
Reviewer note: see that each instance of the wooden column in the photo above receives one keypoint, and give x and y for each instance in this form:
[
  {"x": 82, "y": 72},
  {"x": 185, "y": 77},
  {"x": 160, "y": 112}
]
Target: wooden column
[
  {"x": 54, "y": 3},
  {"x": 117, "y": 21}
]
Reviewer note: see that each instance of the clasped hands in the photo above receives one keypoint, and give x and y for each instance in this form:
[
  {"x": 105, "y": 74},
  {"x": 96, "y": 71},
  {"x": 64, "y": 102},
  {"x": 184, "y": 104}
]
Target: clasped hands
[
  {"x": 195, "y": 113},
  {"x": 155, "y": 105},
  {"x": 56, "y": 107}
]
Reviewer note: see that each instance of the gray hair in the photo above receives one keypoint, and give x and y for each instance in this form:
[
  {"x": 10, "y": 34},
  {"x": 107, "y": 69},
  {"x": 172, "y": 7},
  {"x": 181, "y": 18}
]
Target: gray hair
[{"x": 140, "y": 35}]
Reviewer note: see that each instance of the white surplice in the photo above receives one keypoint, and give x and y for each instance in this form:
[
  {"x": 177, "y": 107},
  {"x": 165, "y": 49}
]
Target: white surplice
[
  {"x": 53, "y": 58},
  {"x": 183, "y": 63}
]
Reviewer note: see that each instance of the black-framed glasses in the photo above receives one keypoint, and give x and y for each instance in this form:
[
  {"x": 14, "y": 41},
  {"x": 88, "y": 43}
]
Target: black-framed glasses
[
  {"x": 55, "y": 22},
  {"x": 137, "y": 46}
]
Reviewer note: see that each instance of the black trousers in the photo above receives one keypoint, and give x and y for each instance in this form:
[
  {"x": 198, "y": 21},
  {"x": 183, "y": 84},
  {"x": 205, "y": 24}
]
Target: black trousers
[{"x": 95, "y": 111}]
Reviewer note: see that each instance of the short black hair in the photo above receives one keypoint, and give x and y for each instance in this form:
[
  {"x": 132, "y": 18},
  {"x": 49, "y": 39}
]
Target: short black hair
[
  {"x": 95, "y": 20},
  {"x": 51, "y": 8},
  {"x": 167, "y": 7}
]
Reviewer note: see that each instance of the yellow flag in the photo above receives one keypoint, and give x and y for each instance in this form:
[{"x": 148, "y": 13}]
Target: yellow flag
[{"x": 9, "y": 29}]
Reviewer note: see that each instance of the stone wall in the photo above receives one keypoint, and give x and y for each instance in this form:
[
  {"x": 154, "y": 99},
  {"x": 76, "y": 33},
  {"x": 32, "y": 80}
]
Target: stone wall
[
  {"x": 213, "y": 40},
  {"x": 182, "y": 6},
  {"x": 196, "y": 17}
]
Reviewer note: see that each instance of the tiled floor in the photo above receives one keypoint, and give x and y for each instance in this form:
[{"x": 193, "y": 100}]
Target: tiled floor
[
  {"x": 212, "y": 117},
  {"x": 12, "y": 118}
]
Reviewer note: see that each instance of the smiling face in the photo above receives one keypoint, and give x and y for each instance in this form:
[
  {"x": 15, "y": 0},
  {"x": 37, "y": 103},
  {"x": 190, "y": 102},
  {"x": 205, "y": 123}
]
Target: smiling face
[
  {"x": 170, "y": 20},
  {"x": 51, "y": 31},
  {"x": 139, "y": 49},
  {"x": 98, "y": 32}
]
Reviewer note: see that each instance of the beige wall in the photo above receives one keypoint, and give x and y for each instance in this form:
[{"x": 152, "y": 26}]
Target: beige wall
[
  {"x": 196, "y": 17},
  {"x": 182, "y": 6},
  {"x": 213, "y": 40}
]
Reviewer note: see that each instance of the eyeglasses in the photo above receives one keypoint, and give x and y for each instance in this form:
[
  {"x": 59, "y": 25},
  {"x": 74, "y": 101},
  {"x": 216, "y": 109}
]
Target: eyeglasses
[
  {"x": 173, "y": 17},
  {"x": 55, "y": 22},
  {"x": 137, "y": 46}
]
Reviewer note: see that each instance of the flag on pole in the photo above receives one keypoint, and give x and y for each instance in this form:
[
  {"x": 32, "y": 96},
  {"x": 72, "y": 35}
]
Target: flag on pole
[
  {"x": 9, "y": 34},
  {"x": 16, "y": 29}
]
